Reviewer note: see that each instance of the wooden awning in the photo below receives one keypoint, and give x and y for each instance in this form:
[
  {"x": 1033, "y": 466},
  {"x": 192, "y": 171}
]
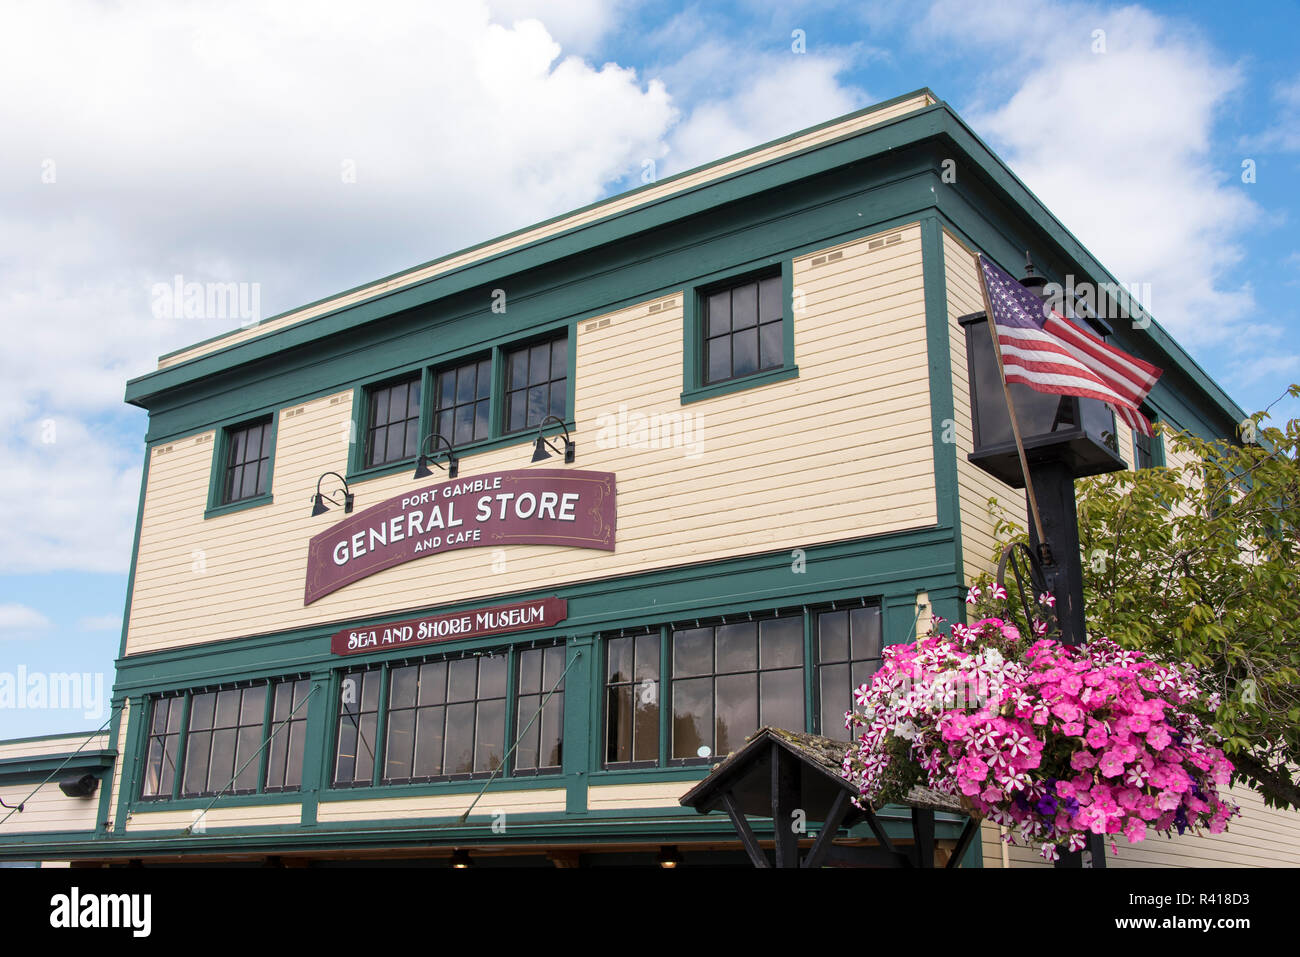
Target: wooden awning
[{"x": 792, "y": 777}]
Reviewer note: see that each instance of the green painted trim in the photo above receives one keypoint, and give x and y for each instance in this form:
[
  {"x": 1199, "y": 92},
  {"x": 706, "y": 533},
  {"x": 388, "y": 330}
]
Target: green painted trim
[
  {"x": 943, "y": 412},
  {"x": 132, "y": 758},
  {"x": 579, "y": 687},
  {"x": 37, "y": 768},
  {"x": 104, "y": 814},
  {"x": 754, "y": 381},
  {"x": 135, "y": 552},
  {"x": 221, "y": 453}
]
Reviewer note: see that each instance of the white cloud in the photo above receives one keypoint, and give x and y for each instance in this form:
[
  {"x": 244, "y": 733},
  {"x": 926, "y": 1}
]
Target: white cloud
[
  {"x": 1117, "y": 145},
  {"x": 771, "y": 95},
  {"x": 158, "y": 138},
  {"x": 20, "y": 621}
]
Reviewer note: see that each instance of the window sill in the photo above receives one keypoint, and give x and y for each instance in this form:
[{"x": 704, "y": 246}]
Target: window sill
[
  {"x": 754, "y": 381},
  {"x": 239, "y": 506}
]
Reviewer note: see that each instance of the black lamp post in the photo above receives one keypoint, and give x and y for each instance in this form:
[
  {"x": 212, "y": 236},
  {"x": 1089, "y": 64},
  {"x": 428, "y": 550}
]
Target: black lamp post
[
  {"x": 423, "y": 462},
  {"x": 319, "y": 499},
  {"x": 1064, "y": 438},
  {"x": 540, "y": 447}
]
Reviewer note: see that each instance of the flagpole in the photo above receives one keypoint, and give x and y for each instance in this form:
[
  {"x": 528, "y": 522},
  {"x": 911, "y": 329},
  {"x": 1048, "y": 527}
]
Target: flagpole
[{"x": 1011, "y": 407}]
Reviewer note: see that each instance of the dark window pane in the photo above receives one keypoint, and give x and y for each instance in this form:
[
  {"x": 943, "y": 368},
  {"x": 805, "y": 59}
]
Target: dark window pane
[
  {"x": 492, "y": 677},
  {"x": 517, "y": 411},
  {"x": 370, "y": 690},
  {"x": 482, "y": 421},
  {"x": 552, "y": 732},
  {"x": 866, "y": 633},
  {"x": 719, "y": 309},
  {"x": 446, "y": 389},
  {"x": 744, "y": 347},
  {"x": 737, "y": 711},
  {"x": 538, "y": 403},
  {"x": 744, "y": 306},
  {"x": 447, "y": 426},
  {"x": 693, "y": 652},
  {"x": 196, "y": 762},
  {"x": 460, "y": 738},
  {"x": 719, "y": 359},
  {"x": 646, "y": 732},
  {"x": 769, "y": 299},
  {"x": 647, "y": 657},
  {"x": 466, "y": 384},
  {"x": 539, "y": 363},
  {"x": 235, "y": 483},
  {"x": 692, "y": 717},
  {"x": 618, "y": 653},
  {"x": 293, "y": 772},
  {"x": 528, "y": 732},
  {"x": 490, "y": 737},
  {"x": 559, "y": 358},
  {"x": 530, "y": 671},
  {"x": 400, "y": 745},
  {"x": 781, "y": 698},
  {"x": 736, "y": 650},
  {"x": 463, "y": 679},
  {"x": 833, "y": 636},
  {"x": 464, "y": 425},
  {"x": 248, "y": 488},
  {"x": 433, "y": 682},
  {"x": 277, "y": 753},
  {"x": 253, "y": 706},
  {"x": 862, "y": 672},
  {"x": 771, "y": 346},
  {"x": 201, "y": 710},
  {"x": 161, "y": 708},
  {"x": 484, "y": 379},
  {"x": 247, "y": 758},
  {"x": 402, "y": 685},
  {"x": 559, "y": 400},
  {"x": 618, "y": 737},
  {"x": 836, "y": 699},
  {"x": 518, "y": 369},
  {"x": 428, "y": 742},
  {"x": 346, "y": 762},
  {"x": 781, "y": 643},
  {"x": 153, "y": 768}
]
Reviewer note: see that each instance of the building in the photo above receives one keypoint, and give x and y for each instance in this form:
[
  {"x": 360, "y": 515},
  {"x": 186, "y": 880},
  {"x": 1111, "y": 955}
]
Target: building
[{"x": 760, "y": 370}]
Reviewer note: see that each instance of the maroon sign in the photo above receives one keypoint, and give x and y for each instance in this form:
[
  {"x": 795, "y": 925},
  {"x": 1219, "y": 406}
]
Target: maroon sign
[
  {"x": 525, "y": 507},
  {"x": 495, "y": 620}
]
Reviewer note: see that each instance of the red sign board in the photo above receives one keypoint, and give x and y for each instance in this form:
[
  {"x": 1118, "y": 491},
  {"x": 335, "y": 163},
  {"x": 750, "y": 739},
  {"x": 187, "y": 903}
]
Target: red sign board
[
  {"x": 494, "y": 620},
  {"x": 524, "y": 507}
]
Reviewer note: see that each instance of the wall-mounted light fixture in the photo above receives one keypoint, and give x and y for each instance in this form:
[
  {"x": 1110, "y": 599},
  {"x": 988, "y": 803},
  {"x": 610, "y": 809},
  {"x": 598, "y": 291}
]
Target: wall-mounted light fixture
[
  {"x": 542, "y": 444},
  {"x": 669, "y": 857},
  {"x": 79, "y": 785},
  {"x": 427, "y": 458},
  {"x": 460, "y": 859},
  {"x": 319, "y": 499}
]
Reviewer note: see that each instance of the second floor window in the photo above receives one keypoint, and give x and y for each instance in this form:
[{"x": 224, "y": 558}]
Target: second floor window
[
  {"x": 537, "y": 384},
  {"x": 393, "y": 422},
  {"x": 248, "y": 462},
  {"x": 462, "y": 400},
  {"x": 743, "y": 330}
]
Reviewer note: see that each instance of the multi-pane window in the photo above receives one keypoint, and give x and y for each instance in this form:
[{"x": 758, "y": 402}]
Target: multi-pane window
[
  {"x": 207, "y": 743},
  {"x": 537, "y": 384},
  {"x": 462, "y": 399},
  {"x": 445, "y": 718},
  {"x": 393, "y": 422},
  {"x": 848, "y": 654},
  {"x": 729, "y": 680},
  {"x": 540, "y": 735},
  {"x": 357, "y": 727},
  {"x": 164, "y": 740},
  {"x": 632, "y": 699},
  {"x": 1145, "y": 449},
  {"x": 223, "y": 742},
  {"x": 288, "y": 735},
  {"x": 743, "y": 330},
  {"x": 248, "y": 462}
]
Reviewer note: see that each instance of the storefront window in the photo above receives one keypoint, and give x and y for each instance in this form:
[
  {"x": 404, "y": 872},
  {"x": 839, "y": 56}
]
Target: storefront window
[
  {"x": 632, "y": 699},
  {"x": 541, "y": 736},
  {"x": 729, "y": 680},
  {"x": 848, "y": 654},
  {"x": 358, "y": 723},
  {"x": 208, "y": 743}
]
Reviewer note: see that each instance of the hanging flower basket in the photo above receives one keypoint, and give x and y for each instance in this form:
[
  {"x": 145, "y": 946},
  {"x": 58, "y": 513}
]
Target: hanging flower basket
[{"x": 1054, "y": 742}]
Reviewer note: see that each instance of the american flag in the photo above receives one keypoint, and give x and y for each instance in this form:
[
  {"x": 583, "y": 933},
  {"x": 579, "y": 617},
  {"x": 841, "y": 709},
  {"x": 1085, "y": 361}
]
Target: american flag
[{"x": 1048, "y": 353}]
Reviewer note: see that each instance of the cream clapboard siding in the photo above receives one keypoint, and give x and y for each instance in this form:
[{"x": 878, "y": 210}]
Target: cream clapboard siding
[
  {"x": 64, "y": 744},
  {"x": 261, "y": 815},
  {"x": 630, "y": 797},
  {"x": 1260, "y": 837},
  {"x": 714, "y": 171},
  {"x": 537, "y": 801},
  {"x": 974, "y": 486},
  {"x": 48, "y": 809},
  {"x": 753, "y": 474}
]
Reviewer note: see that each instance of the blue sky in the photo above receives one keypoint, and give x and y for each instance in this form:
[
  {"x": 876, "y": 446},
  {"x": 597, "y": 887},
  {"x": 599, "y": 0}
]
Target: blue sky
[{"x": 174, "y": 138}]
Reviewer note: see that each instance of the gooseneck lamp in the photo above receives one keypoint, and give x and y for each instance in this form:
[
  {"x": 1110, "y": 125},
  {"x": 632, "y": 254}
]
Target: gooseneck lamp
[
  {"x": 540, "y": 447},
  {"x": 319, "y": 499},
  {"x": 427, "y": 458}
]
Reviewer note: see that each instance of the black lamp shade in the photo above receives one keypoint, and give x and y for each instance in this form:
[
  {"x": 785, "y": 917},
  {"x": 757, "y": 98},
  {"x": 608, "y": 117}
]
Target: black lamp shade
[
  {"x": 539, "y": 450},
  {"x": 1079, "y": 432},
  {"x": 319, "y": 507},
  {"x": 422, "y": 468}
]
